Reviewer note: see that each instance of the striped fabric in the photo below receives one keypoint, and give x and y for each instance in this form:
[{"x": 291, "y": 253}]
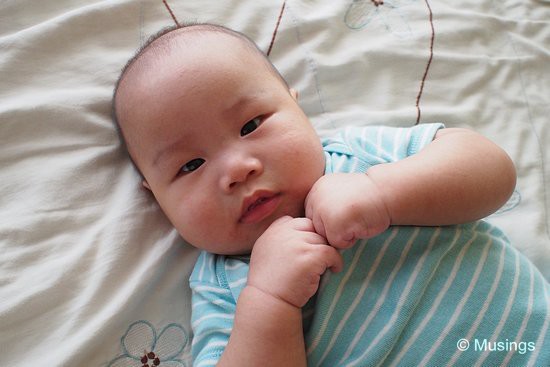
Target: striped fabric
[{"x": 413, "y": 296}]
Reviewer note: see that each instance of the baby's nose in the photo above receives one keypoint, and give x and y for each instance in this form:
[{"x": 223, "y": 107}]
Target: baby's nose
[{"x": 240, "y": 171}]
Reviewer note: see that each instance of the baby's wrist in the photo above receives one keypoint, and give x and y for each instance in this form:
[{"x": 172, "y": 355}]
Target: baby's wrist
[
  {"x": 382, "y": 192},
  {"x": 259, "y": 292}
]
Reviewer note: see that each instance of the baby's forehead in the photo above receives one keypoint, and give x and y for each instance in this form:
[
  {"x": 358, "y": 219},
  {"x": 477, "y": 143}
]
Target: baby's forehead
[
  {"x": 179, "y": 49},
  {"x": 184, "y": 52},
  {"x": 182, "y": 57},
  {"x": 193, "y": 43}
]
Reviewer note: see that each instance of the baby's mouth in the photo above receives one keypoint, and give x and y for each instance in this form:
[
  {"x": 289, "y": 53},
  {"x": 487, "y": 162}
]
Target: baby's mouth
[
  {"x": 258, "y": 202},
  {"x": 259, "y": 206}
]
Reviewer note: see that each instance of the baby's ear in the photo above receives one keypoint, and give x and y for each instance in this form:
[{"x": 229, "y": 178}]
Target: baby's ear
[
  {"x": 294, "y": 93},
  {"x": 146, "y": 185}
]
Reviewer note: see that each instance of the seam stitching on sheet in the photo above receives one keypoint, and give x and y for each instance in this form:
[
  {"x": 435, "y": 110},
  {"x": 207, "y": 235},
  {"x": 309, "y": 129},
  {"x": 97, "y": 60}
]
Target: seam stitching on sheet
[
  {"x": 141, "y": 24},
  {"x": 311, "y": 64},
  {"x": 534, "y": 130}
]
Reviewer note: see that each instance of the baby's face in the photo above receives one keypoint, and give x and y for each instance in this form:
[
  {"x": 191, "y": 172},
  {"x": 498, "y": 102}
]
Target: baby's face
[{"x": 221, "y": 143}]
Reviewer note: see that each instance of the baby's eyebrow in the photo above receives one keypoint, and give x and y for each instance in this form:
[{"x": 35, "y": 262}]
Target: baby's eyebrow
[
  {"x": 246, "y": 99},
  {"x": 240, "y": 103},
  {"x": 167, "y": 150}
]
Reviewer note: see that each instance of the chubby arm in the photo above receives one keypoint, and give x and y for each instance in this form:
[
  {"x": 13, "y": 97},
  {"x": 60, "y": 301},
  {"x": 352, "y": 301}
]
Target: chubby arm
[
  {"x": 267, "y": 332},
  {"x": 286, "y": 265},
  {"x": 459, "y": 177}
]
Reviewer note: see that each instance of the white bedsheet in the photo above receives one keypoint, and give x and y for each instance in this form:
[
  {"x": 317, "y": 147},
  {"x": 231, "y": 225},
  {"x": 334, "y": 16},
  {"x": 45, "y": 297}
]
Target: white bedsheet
[{"x": 92, "y": 274}]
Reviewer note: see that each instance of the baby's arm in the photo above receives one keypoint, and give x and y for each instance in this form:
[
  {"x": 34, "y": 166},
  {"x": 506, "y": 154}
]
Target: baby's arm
[
  {"x": 459, "y": 177},
  {"x": 266, "y": 332},
  {"x": 285, "y": 268}
]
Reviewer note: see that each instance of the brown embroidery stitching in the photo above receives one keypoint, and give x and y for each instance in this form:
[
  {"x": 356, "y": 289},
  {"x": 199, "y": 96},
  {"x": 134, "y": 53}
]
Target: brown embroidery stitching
[
  {"x": 376, "y": 3},
  {"x": 276, "y": 29},
  {"x": 171, "y": 13},
  {"x": 151, "y": 356},
  {"x": 427, "y": 66},
  {"x": 272, "y": 37}
]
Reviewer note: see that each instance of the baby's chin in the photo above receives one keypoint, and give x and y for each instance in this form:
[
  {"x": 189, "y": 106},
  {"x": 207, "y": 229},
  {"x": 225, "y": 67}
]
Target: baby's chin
[
  {"x": 241, "y": 245},
  {"x": 243, "y": 240},
  {"x": 230, "y": 250}
]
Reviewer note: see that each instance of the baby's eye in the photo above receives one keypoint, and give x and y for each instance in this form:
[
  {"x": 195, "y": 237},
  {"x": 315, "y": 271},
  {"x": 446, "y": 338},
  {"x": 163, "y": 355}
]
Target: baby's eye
[
  {"x": 250, "y": 126},
  {"x": 191, "y": 166}
]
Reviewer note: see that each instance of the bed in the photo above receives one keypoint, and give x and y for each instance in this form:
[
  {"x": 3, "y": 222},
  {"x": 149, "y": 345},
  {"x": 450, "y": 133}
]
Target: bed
[{"x": 92, "y": 273}]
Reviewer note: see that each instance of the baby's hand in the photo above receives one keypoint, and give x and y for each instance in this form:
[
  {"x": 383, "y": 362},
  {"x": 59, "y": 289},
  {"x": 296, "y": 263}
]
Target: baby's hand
[
  {"x": 345, "y": 207},
  {"x": 288, "y": 260}
]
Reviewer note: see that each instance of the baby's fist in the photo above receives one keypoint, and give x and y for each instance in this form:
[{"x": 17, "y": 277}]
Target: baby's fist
[
  {"x": 288, "y": 259},
  {"x": 345, "y": 207}
]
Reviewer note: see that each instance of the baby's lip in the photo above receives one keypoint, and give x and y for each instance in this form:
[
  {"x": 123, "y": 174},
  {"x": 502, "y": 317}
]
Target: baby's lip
[{"x": 258, "y": 206}]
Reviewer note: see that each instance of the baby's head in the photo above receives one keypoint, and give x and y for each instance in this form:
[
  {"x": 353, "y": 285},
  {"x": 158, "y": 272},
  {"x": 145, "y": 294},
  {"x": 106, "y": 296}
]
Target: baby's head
[{"x": 217, "y": 135}]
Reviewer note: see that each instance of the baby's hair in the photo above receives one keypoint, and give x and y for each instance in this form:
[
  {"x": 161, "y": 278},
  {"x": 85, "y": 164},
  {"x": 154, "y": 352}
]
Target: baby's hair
[{"x": 163, "y": 40}]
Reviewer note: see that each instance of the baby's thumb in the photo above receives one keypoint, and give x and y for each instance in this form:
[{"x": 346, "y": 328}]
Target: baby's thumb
[{"x": 335, "y": 262}]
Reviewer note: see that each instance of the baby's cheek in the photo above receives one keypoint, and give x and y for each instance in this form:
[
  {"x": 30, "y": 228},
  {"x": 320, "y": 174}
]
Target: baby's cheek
[{"x": 193, "y": 219}]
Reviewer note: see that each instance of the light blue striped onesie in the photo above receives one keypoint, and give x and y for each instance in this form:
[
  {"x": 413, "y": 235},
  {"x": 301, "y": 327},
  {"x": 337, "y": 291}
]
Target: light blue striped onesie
[{"x": 412, "y": 296}]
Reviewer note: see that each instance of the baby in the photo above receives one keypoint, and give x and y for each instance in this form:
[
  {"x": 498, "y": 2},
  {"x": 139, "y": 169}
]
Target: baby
[{"x": 234, "y": 163}]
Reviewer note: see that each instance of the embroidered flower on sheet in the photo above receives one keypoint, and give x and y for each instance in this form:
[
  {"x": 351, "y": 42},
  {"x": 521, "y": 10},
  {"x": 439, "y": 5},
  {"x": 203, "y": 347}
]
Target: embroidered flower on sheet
[
  {"x": 362, "y": 12},
  {"x": 142, "y": 347}
]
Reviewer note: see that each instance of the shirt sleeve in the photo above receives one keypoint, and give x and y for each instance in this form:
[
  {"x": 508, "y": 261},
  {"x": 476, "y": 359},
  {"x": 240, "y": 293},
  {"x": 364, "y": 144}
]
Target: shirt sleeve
[
  {"x": 213, "y": 310},
  {"x": 372, "y": 145}
]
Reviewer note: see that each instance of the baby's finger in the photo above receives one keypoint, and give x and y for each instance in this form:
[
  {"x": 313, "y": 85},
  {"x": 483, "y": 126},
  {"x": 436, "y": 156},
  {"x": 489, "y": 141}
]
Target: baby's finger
[
  {"x": 341, "y": 239},
  {"x": 281, "y": 220},
  {"x": 319, "y": 226},
  {"x": 333, "y": 259},
  {"x": 313, "y": 238},
  {"x": 303, "y": 224},
  {"x": 309, "y": 203},
  {"x": 308, "y": 206}
]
